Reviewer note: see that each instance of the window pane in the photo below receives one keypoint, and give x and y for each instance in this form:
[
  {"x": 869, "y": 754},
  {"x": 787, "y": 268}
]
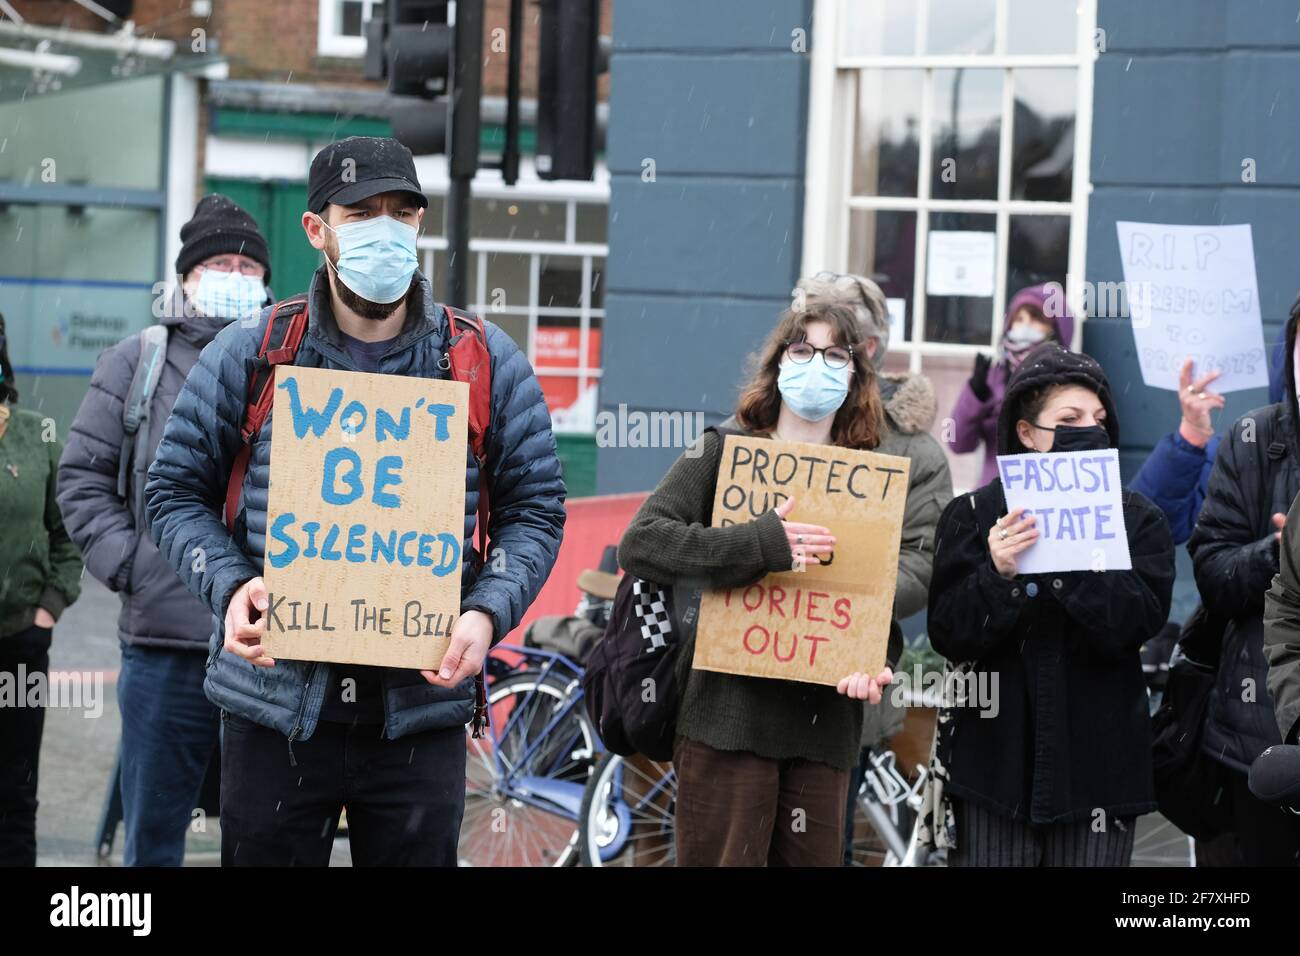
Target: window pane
[
  {"x": 439, "y": 277},
  {"x": 517, "y": 219},
  {"x": 878, "y": 28},
  {"x": 960, "y": 26},
  {"x": 560, "y": 283},
  {"x": 592, "y": 222},
  {"x": 887, "y": 150},
  {"x": 104, "y": 135},
  {"x": 1041, "y": 26},
  {"x": 959, "y": 318},
  {"x": 967, "y": 111},
  {"x": 1042, "y": 161},
  {"x": 882, "y": 245},
  {"x": 507, "y": 281},
  {"x": 350, "y": 18},
  {"x": 1038, "y": 251}
]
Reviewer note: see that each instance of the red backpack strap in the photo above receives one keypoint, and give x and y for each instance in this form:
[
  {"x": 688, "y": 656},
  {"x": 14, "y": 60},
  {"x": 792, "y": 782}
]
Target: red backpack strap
[
  {"x": 284, "y": 332},
  {"x": 471, "y": 362}
]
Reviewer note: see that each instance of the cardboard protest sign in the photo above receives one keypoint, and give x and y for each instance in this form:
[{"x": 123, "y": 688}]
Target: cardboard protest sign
[
  {"x": 1076, "y": 497},
  {"x": 1192, "y": 294},
  {"x": 822, "y": 622},
  {"x": 366, "y": 515}
]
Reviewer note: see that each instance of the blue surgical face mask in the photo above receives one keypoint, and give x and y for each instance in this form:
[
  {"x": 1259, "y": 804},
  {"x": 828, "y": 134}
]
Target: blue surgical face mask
[
  {"x": 813, "y": 390},
  {"x": 376, "y": 258},
  {"x": 228, "y": 295}
]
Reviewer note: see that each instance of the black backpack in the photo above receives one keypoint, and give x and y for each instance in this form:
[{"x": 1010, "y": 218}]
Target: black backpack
[
  {"x": 631, "y": 678},
  {"x": 630, "y": 682},
  {"x": 1189, "y": 783}
]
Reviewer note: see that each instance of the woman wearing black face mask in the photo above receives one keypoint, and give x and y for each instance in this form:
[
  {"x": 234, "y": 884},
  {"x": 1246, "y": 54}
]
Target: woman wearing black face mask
[{"x": 1050, "y": 764}]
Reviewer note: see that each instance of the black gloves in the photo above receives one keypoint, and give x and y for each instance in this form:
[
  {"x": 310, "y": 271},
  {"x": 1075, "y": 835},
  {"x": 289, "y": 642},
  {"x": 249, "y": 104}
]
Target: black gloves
[{"x": 979, "y": 379}]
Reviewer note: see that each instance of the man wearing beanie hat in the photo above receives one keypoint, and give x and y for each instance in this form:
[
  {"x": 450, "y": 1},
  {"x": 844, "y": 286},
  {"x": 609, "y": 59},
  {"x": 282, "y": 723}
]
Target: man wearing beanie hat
[
  {"x": 169, "y": 728},
  {"x": 301, "y": 738},
  {"x": 1059, "y": 772}
]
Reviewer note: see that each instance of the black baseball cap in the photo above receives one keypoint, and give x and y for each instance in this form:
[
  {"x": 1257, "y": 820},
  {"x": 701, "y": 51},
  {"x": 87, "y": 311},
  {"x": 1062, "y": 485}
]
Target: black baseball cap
[{"x": 359, "y": 167}]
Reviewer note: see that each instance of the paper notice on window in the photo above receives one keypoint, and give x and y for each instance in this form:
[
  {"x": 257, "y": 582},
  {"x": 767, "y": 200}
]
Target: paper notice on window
[
  {"x": 1191, "y": 293},
  {"x": 961, "y": 263},
  {"x": 897, "y": 316}
]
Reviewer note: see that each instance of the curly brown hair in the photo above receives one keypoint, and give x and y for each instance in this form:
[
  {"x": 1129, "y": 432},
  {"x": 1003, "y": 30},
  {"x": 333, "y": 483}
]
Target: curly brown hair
[{"x": 860, "y": 421}]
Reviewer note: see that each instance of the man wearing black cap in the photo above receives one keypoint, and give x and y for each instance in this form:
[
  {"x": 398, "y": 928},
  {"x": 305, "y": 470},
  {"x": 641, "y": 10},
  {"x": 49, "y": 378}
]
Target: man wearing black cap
[
  {"x": 169, "y": 728},
  {"x": 301, "y": 739}
]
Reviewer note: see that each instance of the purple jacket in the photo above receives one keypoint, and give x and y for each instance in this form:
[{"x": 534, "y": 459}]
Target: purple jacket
[{"x": 976, "y": 421}]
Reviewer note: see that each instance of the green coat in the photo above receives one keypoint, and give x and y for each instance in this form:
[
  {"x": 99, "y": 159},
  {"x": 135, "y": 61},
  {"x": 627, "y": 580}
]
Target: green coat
[
  {"x": 909, "y": 412},
  {"x": 1282, "y": 630},
  {"x": 39, "y": 564}
]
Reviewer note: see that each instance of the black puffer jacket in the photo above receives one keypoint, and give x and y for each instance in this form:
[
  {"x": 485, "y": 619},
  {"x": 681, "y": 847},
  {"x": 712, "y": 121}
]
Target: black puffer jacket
[
  {"x": 1071, "y": 733},
  {"x": 1256, "y": 475}
]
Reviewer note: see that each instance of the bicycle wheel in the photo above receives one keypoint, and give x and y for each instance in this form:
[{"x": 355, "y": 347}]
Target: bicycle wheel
[
  {"x": 627, "y": 813},
  {"x": 1159, "y": 843},
  {"x": 875, "y": 826},
  {"x": 524, "y": 780}
]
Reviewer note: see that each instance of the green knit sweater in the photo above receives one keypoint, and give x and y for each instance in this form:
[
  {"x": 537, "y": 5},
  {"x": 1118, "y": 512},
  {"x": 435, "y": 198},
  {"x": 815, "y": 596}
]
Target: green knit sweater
[
  {"x": 670, "y": 542},
  {"x": 39, "y": 564}
]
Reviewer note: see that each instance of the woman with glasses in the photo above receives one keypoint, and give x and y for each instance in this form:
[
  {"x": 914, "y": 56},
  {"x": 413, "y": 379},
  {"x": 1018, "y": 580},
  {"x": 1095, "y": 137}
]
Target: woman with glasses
[
  {"x": 763, "y": 764},
  {"x": 1035, "y": 315},
  {"x": 40, "y": 575}
]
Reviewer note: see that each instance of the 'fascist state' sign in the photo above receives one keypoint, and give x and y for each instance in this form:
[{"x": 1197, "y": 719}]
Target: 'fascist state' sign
[
  {"x": 367, "y": 505},
  {"x": 818, "y": 623},
  {"x": 1077, "y": 499}
]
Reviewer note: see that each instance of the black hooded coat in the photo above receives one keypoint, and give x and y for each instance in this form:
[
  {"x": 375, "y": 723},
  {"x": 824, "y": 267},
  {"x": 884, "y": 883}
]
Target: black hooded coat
[
  {"x": 1235, "y": 556},
  {"x": 1064, "y": 733}
]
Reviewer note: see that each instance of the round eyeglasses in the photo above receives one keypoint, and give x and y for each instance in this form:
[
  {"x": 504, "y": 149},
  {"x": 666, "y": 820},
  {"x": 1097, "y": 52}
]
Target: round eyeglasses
[{"x": 835, "y": 356}]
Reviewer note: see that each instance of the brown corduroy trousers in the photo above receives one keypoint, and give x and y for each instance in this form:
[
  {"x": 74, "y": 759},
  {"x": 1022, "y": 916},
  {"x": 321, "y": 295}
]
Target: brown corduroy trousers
[{"x": 736, "y": 808}]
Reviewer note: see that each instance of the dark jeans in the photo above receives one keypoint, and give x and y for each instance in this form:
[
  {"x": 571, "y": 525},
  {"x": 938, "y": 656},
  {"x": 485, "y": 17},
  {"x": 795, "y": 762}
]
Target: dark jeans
[
  {"x": 736, "y": 808},
  {"x": 280, "y": 807},
  {"x": 170, "y": 734},
  {"x": 20, "y": 745}
]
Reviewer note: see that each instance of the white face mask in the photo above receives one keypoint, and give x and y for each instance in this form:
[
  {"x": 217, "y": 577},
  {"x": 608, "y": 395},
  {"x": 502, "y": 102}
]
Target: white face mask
[
  {"x": 1025, "y": 334},
  {"x": 228, "y": 295}
]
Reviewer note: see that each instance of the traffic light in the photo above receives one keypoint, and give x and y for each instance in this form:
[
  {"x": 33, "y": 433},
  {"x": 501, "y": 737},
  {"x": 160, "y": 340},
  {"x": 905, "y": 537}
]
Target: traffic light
[
  {"x": 420, "y": 54},
  {"x": 570, "y": 58}
]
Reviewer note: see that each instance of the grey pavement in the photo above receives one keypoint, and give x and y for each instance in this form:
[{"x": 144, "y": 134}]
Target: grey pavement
[{"x": 80, "y": 745}]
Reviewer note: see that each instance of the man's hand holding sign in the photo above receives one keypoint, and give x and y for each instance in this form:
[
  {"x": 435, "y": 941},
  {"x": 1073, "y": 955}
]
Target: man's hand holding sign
[
  {"x": 363, "y": 552},
  {"x": 828, "y": 616}
]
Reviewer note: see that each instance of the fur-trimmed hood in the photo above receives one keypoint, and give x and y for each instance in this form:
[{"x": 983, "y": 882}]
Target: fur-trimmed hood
[{"x": 909, "y": 402}]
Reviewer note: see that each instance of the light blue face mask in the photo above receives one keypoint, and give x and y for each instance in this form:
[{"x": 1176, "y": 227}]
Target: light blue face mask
[
  {"x": 813, "y": 390},
  {"x": 376, "y": 258},
  {"x": 228, "y": 295}
]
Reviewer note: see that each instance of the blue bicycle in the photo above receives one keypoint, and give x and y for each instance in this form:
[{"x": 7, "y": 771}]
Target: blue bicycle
[
  {"x": 525, "y": 779},
  {"x": 540, "y": 790}
]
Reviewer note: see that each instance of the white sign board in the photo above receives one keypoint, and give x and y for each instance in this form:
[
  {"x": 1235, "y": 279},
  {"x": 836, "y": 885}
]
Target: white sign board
[
  {"x": 961, "y": 263},
  {"x": 1192, "y": 294},
  {"x": 1076, "y": 497}
]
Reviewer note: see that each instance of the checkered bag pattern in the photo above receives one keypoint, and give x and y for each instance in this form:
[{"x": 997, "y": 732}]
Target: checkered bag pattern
[{"x": 652, "y": 612}]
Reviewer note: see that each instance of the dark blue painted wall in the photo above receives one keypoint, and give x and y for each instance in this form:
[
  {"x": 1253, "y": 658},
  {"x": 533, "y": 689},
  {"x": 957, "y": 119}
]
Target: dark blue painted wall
[
  {"x": 1186, "y": 90},
  {"x": 703, "y": 258}
]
